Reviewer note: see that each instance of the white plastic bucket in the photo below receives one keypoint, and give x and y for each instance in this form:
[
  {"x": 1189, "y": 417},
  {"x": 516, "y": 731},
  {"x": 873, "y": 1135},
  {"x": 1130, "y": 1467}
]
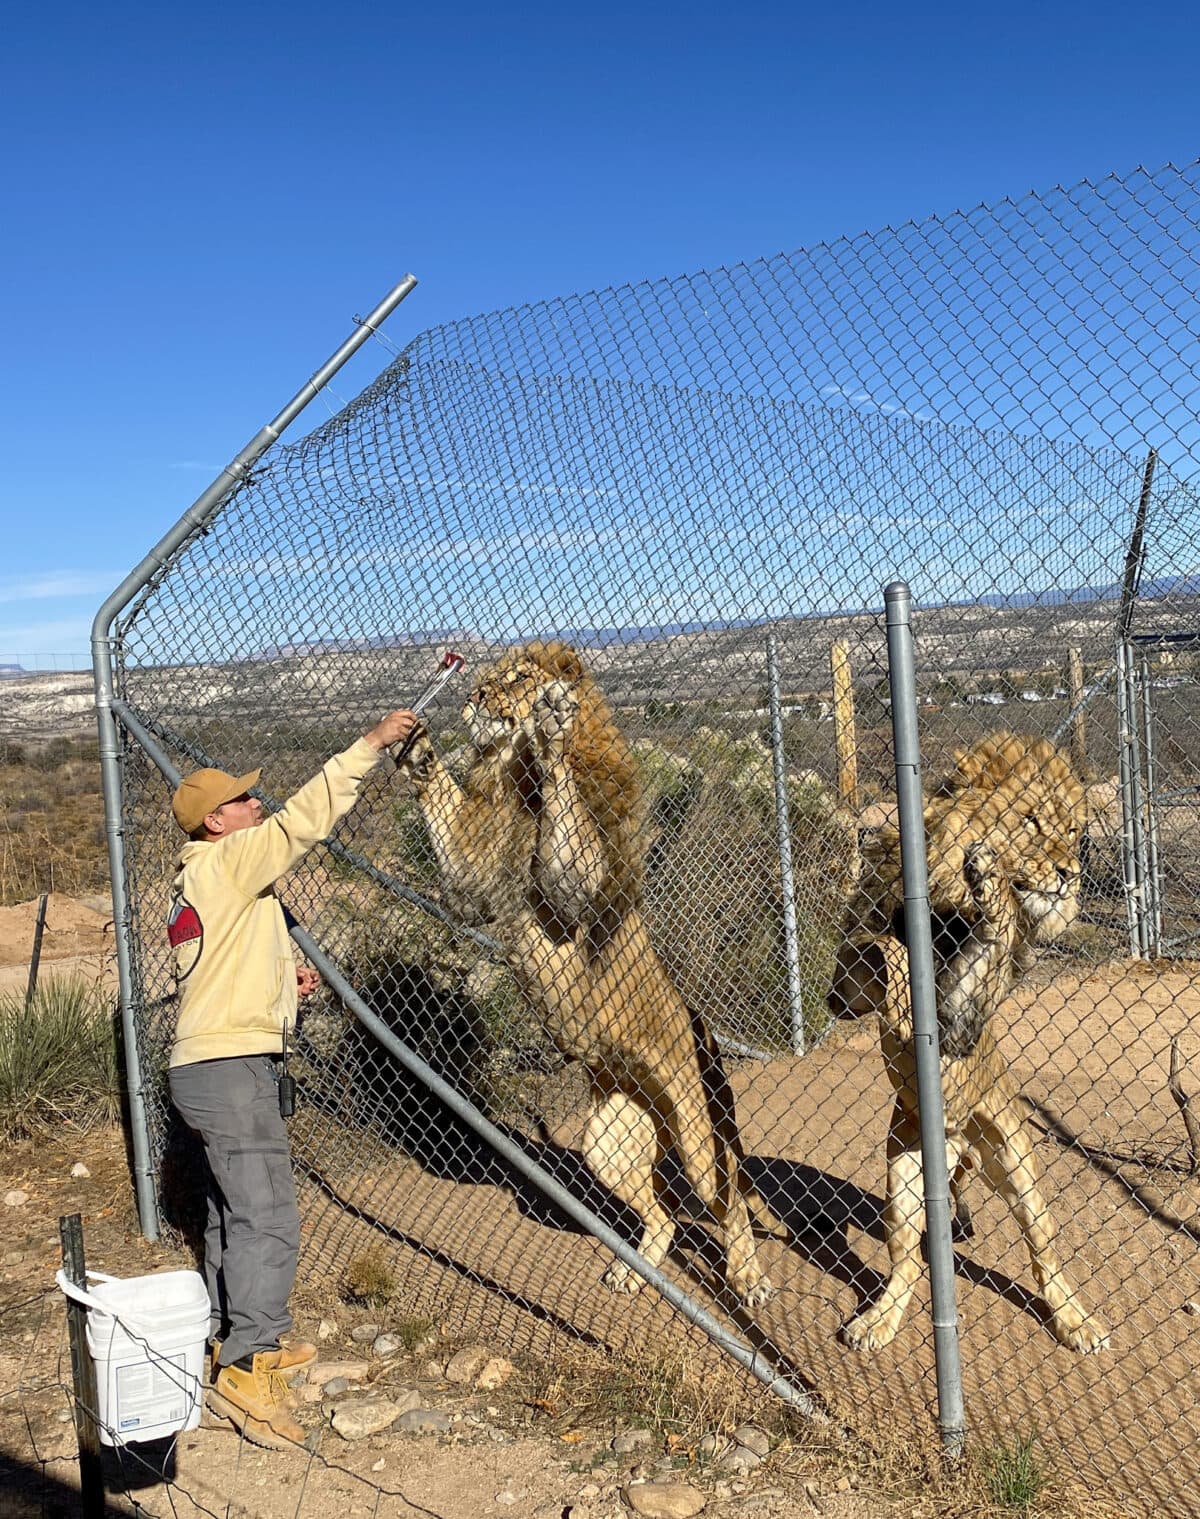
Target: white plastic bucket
[{"x": 146, "y": 1336}]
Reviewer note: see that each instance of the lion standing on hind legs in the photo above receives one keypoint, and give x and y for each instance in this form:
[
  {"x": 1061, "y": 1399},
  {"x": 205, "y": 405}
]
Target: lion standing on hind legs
[
  {"x": 1003, "y": 834},
  {"x": 541, "y": 839}
]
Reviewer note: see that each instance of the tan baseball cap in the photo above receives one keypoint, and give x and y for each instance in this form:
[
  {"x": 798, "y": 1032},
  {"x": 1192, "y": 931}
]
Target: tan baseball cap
[{"x": 206, "y": 790}]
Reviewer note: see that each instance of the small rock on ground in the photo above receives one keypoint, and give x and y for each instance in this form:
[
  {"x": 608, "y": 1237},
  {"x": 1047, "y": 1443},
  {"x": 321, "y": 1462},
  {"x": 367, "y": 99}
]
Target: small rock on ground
[
  {"x": 754, "y": 1439},
  {"x": 736, "y": 1458},
  {"x": 423, "y": 1421},
  {"x": 356, "y": 1419},
  {"x": 494, "y": 1374},
  {"x": 362, "y": 1334},
  {"x": 467, "y": 1364},
  {"x": 663, "y": 1500},
  {"x": 405, "y": 1398},
  {"x": 322, "y": 1372},
  {"x": 385, "y": 1345},
  {"x": 630, "y": 1440}
]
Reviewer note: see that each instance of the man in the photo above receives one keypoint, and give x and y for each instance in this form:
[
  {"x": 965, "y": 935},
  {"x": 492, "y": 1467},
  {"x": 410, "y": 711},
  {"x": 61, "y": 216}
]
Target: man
[{"x": 238, "y": 988}]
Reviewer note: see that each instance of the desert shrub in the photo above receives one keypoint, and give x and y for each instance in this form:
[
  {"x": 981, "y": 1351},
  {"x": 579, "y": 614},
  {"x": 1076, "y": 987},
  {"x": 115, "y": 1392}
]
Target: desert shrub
[
  {"x": 715, "y": 904},
  {"x": 369, "y": 1279},
  {"x": 58, "y": 1058}
]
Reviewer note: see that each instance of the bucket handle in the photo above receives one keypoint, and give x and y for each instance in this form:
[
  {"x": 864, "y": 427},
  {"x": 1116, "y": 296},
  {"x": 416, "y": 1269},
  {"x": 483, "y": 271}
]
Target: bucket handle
[{"x": 89, "y": 1300}]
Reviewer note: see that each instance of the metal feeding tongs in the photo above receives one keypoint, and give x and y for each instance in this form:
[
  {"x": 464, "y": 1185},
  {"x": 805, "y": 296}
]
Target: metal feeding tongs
[{"x": 451, "y": 664}]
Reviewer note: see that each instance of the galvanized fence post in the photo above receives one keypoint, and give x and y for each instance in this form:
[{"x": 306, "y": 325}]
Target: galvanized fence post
[
  {"x": 783, "y": 829},
  {"x": 1130, "y": 783},
  {"x": 918, "y": 938}
]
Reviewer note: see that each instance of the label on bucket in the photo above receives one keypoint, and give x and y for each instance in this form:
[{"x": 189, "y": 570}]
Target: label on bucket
[{"x": 154, "y": 1393}]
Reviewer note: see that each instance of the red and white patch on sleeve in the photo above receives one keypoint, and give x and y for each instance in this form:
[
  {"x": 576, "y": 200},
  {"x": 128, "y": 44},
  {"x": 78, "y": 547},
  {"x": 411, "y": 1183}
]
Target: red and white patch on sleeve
[{"x": 185, "y": 934}]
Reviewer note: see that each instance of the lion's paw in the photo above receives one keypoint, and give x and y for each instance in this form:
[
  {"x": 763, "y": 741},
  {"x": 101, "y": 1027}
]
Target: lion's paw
[
  {"x": 980, "y": 868},
  {"x": 1086, "y": 1337},
  {"x": 415, "y": 762},
  {"x": 870, "y": 1330},
  {"x": 762, "y": 1292},
  {"x": 619, "y": 1278},
  {"x": 554, "y": 712}
]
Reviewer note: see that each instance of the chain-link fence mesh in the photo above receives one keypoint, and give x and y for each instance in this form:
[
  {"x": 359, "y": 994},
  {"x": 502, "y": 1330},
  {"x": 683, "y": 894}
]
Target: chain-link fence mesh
[{"x": 678, "y": 479}]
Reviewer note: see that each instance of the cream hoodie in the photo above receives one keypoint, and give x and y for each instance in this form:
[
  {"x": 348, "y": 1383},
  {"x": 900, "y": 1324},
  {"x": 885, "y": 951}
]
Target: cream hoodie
[{"x": 237, "y": 977}]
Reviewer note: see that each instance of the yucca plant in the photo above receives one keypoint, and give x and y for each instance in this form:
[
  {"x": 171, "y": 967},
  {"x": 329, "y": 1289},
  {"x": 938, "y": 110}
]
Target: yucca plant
[{"x": 58, "y": 1058}]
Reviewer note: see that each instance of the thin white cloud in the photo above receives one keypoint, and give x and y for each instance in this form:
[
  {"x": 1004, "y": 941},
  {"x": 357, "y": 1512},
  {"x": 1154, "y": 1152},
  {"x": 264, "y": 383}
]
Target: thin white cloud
[
  {"x": 55, "y": 636},
  {"x": 885, "y": 408},
  {"x": 46, "y": 585}
]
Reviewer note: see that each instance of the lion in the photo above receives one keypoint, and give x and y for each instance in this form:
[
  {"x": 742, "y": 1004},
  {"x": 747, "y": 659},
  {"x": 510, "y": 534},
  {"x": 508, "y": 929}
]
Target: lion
[
  {"x": 1003, "y": 834},
  {"x": 542, "y": 839}
]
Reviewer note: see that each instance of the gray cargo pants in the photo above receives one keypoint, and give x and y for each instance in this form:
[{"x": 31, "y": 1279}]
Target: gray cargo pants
[{"x": 252, "y": 1238}]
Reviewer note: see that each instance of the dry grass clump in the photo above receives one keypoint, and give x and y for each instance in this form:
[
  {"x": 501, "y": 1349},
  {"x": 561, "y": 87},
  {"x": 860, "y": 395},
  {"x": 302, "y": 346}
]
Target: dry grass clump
[
  {"x": 369, "y": 1279},
  {"x": 899, "y": 1473},
  {"x": 59, "y": 1059},
  {"x": 674, "y": 1391},
  {"x": 51, "y": 821},
  {"x": 904, "y": 1471}
]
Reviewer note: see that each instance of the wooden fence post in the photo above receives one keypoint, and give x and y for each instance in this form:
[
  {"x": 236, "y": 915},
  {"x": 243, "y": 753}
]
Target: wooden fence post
[
  {"x": 843, "y": 723},
  {"x": 1075, "y": 705},
  {"x": 35, "y": 956}
]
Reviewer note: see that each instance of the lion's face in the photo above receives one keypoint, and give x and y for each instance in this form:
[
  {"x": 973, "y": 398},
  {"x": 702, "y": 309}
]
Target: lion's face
[
  {"x": 1023, "y": 799},
  {"x": 507, "y": 689},
  {"x": 502, "y": 699}
]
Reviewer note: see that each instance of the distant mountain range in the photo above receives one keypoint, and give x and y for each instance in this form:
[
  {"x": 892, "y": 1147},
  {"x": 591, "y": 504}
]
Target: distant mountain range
[
  {"x": 1163, "y": 588},
  {"x": 420, "y": 639},
  {"x": 1150, "y": 590}
]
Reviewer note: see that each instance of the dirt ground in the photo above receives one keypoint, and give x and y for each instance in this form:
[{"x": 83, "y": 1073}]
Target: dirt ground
[
  {"x": 530, "y": 1447},
  {"x": 1119, "y": 1430},
  {"x": 1092, "y": 1052},
  {"x": 77, "y": 939}
]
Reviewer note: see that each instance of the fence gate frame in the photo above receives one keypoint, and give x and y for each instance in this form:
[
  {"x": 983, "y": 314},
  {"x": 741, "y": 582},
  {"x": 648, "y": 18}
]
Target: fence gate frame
[{"x": 105, "y": 637}]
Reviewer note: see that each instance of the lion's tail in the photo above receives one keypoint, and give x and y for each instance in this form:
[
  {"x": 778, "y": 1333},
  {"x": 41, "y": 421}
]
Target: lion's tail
[{"x": 723, "y": 1117}]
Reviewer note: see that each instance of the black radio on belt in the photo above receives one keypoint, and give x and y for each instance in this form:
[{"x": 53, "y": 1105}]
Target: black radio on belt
[{"x": 287, "y": 1083}]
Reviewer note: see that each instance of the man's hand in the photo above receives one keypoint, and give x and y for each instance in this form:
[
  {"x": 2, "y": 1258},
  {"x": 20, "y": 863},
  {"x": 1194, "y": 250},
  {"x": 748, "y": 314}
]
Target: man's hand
[
  {"x": 392, "y": 729},
  {"x": 307, "y": 981}
]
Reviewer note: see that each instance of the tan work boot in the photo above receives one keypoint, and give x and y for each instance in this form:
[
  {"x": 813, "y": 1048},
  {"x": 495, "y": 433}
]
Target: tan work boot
[
  {"x": 257, "y": 1401},
  {"x": 293, "y": 1354}
]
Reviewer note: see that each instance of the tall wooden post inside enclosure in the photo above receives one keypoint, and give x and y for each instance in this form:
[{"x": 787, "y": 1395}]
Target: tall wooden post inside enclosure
[{"x": 843, "y": 723}]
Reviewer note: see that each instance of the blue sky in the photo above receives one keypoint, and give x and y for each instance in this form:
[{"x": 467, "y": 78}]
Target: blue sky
[{"x": 198, "y": 200}]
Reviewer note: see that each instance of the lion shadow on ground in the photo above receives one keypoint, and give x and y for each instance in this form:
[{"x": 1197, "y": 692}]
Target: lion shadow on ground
[
  {"x": 822, "y": 1233},
  {"x": 374, "y": 1091}
]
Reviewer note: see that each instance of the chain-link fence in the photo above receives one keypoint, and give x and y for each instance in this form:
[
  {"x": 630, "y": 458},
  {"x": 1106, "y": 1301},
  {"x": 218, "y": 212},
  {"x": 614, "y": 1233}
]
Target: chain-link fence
[{"x": 701, "y": 485}]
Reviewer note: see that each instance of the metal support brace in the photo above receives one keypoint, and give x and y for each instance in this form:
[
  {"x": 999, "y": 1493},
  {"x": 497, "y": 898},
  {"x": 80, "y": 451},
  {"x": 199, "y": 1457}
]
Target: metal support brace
[
  {"x": 783, "y": 830},
  {"x": 795, "y": 1395}
]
